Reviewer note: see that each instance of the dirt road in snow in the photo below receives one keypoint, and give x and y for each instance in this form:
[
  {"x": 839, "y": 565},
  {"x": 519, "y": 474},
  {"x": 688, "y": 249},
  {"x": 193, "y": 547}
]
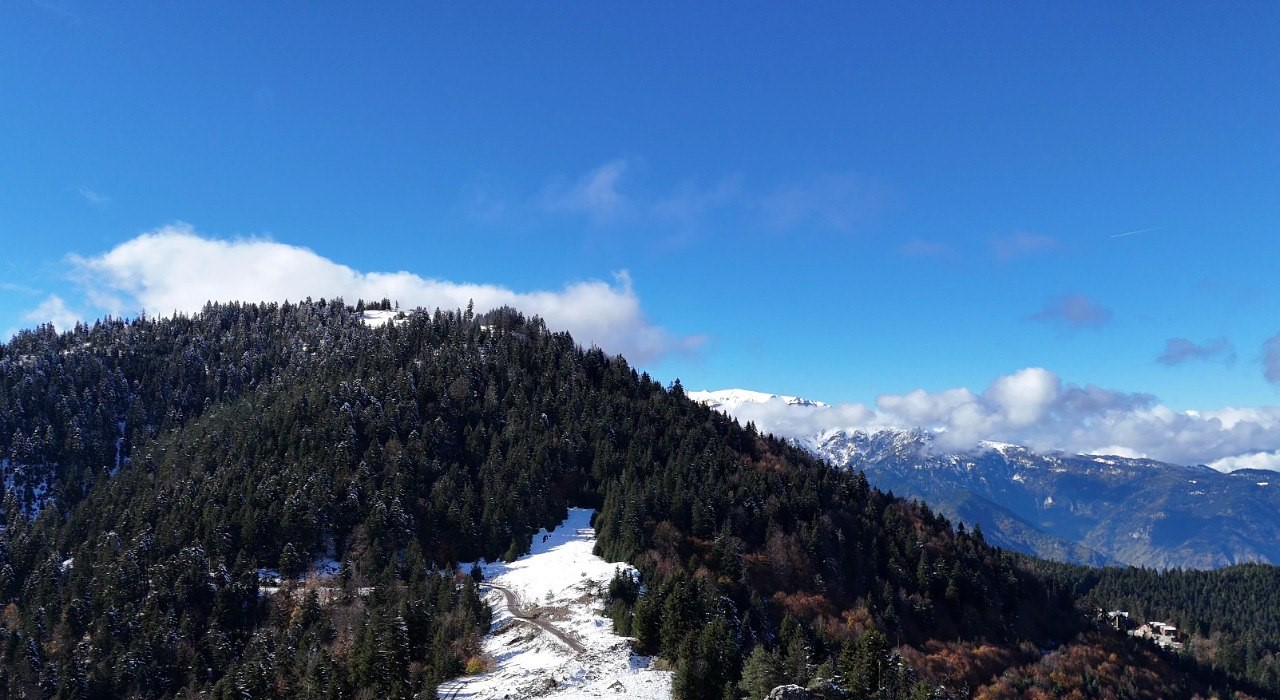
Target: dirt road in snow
[{"x": 519, "y": 613}]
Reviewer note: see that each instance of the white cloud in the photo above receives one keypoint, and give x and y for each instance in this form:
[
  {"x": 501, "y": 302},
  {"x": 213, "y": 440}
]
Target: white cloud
[
  {"x": 1034, "y": 407},
  {"x": 1024, "y": 396},
  {"x": 1115, "y": 451},
  {"x": 1257, "y": 460},
  {"x": 174, "y": 269},
  {"x": 53, "y": 310}
]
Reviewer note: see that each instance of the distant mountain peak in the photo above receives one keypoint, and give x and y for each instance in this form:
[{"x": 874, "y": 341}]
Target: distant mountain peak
[{"x": 730, "y": 399}]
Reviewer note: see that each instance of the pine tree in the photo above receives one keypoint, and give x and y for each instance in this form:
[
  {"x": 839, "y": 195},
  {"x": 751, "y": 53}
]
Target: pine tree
[
  {"x": 291, "y": 563},
  {"x": 761, "y": 673},
  {"x": 646, "y": 624}
]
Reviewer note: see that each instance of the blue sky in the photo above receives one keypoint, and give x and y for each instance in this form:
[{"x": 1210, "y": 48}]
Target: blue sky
[{"x": 835, "y": 200}]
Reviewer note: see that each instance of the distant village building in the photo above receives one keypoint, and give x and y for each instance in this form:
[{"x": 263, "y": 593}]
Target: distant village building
[
  {"x": 1164, "y": 635},
  {"x": 1118, "y": 619}
]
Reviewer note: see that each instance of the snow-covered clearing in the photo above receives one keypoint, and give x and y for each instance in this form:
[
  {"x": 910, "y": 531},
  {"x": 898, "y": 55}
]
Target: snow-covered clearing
[
  {"x": 562, "y": 584},
  {"x": 375, "y": 318}
]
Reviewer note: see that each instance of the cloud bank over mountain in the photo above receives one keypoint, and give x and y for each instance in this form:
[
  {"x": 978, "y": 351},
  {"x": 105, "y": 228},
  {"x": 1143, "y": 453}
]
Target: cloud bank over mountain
[
  {"x": 1035, "y": 408},
  {"x": 174, "y": 269}
]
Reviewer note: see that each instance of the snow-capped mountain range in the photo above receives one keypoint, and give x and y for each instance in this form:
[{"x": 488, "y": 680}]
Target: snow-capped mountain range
[{"x": 1082, "y": 508}]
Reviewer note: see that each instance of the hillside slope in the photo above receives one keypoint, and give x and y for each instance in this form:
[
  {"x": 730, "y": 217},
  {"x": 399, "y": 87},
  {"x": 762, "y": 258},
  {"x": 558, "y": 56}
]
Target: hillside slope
[{"x": 284, "y": 436}]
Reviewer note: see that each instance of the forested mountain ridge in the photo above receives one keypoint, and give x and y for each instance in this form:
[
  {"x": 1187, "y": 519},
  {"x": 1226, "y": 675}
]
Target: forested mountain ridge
[{"x": 275, "y": 435}]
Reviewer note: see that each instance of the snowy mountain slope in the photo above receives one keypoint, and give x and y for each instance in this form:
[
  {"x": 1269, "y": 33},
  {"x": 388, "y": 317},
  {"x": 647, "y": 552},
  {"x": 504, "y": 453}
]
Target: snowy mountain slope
[
  {"x": 730, "y": 399},
  {"x": 1082, "y": 508},
  {"x": 560, "y": 584}
]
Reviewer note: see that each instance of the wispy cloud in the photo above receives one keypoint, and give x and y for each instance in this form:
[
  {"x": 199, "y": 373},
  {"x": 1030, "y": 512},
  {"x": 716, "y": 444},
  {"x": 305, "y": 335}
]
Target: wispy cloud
[
  {"x": 19, "y": 288},
  {"x": 92, "y": 196},
  {"x": 175, "y": 269},
  {"x": 1271, "y": 359},
  {"x": 1180, "y": 350},
  {"x": 1073, "y": 311},
  {"x": 691, "y": 203},
  {"x": 595, "y": 195},
  {"x": 1022, "y": 244},
  {"x": 1036, "y": 408},
  {"x": 837, "y": 202},
  {"x": 617, "y": 194}
]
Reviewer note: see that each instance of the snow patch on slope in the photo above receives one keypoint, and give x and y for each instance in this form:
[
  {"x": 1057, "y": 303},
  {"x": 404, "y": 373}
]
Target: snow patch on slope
[
  {"x": 566, "y": 584},
  {"x": 376, "y": 318}
]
